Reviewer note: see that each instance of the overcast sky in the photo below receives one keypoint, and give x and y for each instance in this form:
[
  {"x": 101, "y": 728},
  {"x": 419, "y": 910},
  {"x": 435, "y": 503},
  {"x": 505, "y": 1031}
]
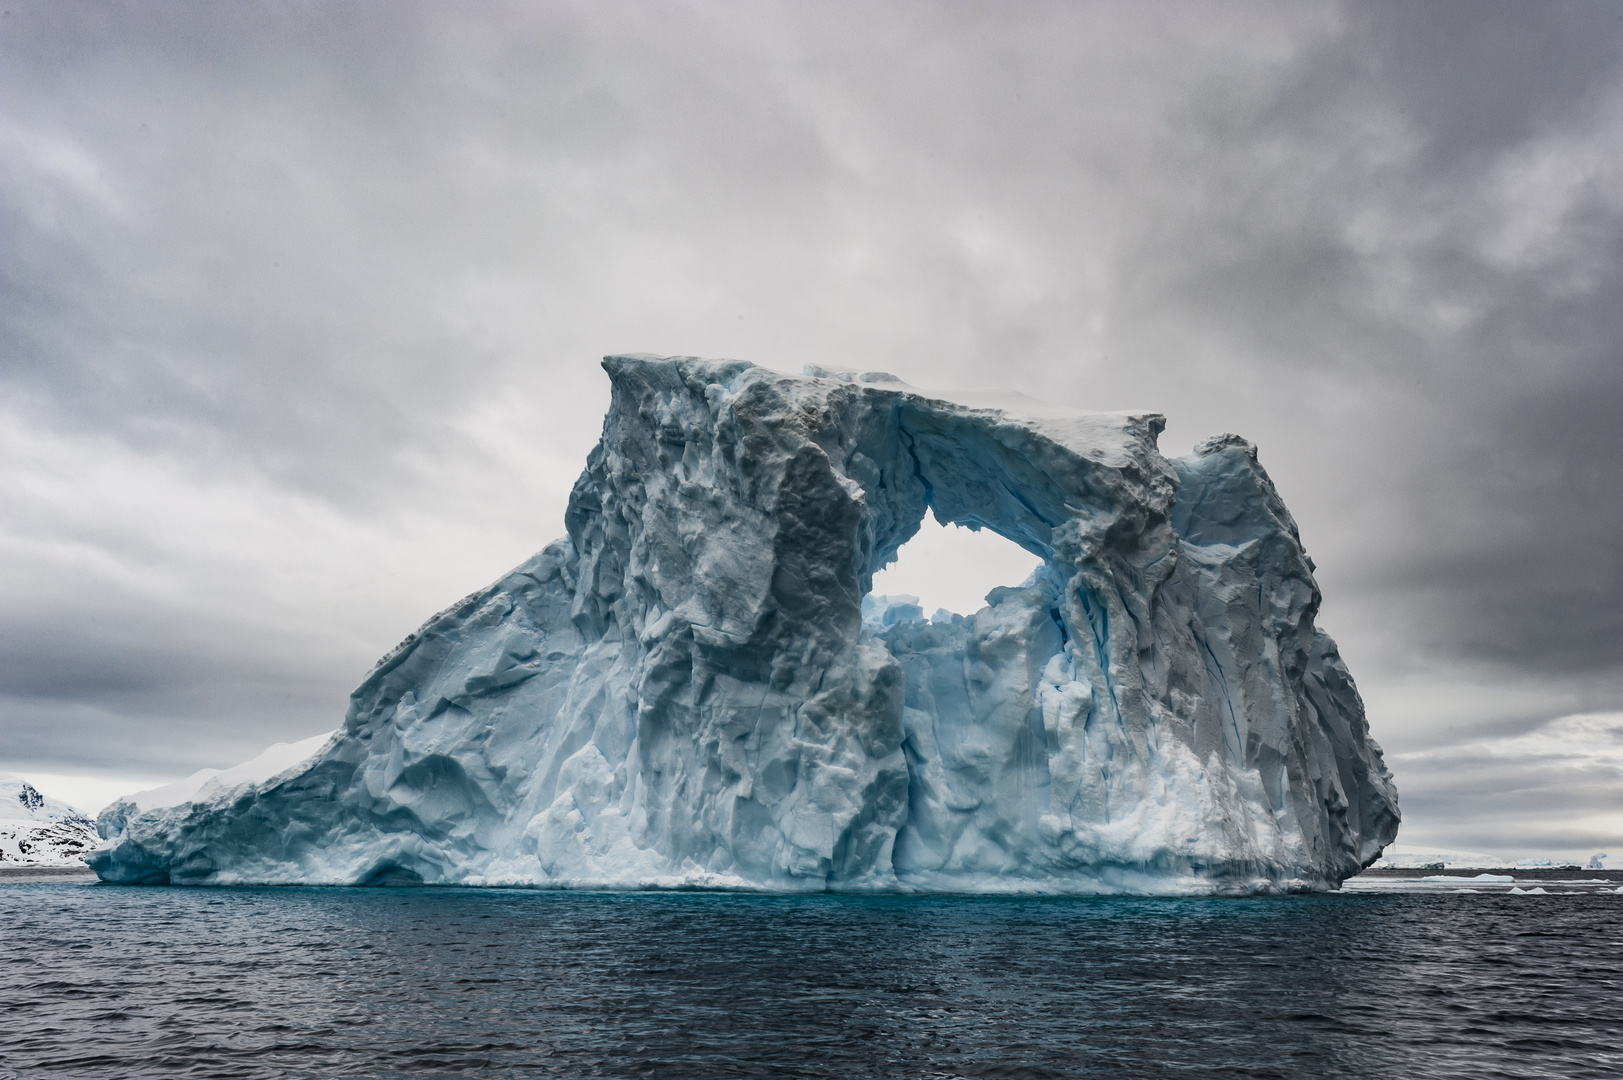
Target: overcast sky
[{"x": 303, "y": 305}]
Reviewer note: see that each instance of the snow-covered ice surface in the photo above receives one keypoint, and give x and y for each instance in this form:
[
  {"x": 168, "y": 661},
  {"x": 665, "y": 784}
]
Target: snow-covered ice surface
[
  {"x": 1536, "y": 881},
  {"x": 214, "y": 787},
  {"x": 209, "y": 785},
  {"x": 693, "y": 688},
  {"x": 37, "y": 830},
  {"x": 1409, "y": 857}
]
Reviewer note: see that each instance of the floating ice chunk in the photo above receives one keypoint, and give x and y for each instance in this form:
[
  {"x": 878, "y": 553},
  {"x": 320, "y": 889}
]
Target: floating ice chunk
[
  {"x": 694, "y": 688},
  {"x": 1485, "y": 878}
]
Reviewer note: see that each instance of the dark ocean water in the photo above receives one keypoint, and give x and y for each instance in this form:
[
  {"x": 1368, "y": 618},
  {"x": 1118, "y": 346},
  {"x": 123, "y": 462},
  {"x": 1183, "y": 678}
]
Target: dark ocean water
[{"x": 99, "y": 981}]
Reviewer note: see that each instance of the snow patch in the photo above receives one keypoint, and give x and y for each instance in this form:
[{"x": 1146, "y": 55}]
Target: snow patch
[
  {"x": 200, "y": 785},
  {"x": 37, "y": 830},
  {"x": 1503, "y": 879}
]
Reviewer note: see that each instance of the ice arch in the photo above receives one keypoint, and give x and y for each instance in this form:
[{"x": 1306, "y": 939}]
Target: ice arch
[{"x": 684, "y": 690}]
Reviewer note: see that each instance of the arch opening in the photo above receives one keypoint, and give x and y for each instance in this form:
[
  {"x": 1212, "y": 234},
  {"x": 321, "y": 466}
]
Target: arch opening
[{"x": 953, "y": 567}]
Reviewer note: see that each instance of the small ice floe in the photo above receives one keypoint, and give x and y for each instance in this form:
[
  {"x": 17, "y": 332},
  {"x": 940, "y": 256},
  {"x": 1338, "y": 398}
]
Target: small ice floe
[
  {"x": 1468, "y": 890},
  {"x": 1485, "y": 879},
  {"x": 1536, "y": 890}
]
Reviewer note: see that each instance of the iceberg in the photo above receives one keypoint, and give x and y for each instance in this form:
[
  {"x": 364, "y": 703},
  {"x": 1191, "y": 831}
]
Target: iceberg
[{"x": 694, "y": 688}]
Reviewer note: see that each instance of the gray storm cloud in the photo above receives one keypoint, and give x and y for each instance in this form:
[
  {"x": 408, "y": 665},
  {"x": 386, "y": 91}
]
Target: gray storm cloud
[{"x": 303, "y": 304}]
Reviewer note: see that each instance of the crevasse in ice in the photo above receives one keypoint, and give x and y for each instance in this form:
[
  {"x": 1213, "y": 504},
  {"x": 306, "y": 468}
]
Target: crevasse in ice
[{"x": 685, "y": 692}]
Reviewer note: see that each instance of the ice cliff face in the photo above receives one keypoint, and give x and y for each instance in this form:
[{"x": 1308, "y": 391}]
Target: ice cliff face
[{"x": 684, "y": 692}]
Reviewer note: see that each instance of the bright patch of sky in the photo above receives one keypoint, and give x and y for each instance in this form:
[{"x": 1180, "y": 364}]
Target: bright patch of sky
[{"x": 953, "y": 567}]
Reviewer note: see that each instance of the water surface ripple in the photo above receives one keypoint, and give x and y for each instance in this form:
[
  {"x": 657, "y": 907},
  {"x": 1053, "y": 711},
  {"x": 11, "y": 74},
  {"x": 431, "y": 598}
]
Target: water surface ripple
[{"x": 99, "y": 981}]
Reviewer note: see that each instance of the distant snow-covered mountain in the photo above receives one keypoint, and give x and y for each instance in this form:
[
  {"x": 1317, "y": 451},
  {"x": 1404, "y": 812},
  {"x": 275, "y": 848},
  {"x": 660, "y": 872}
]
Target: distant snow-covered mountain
[{"x": 37, "y": 830}]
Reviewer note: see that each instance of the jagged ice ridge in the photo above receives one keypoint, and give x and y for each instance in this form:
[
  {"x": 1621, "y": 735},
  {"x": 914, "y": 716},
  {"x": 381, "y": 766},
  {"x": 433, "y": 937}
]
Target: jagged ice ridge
[{"x": 685, "y": 691}]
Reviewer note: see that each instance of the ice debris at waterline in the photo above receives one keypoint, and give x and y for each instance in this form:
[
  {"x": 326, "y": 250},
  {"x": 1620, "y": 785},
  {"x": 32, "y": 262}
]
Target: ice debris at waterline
[{"x": 684, "y": 692}]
